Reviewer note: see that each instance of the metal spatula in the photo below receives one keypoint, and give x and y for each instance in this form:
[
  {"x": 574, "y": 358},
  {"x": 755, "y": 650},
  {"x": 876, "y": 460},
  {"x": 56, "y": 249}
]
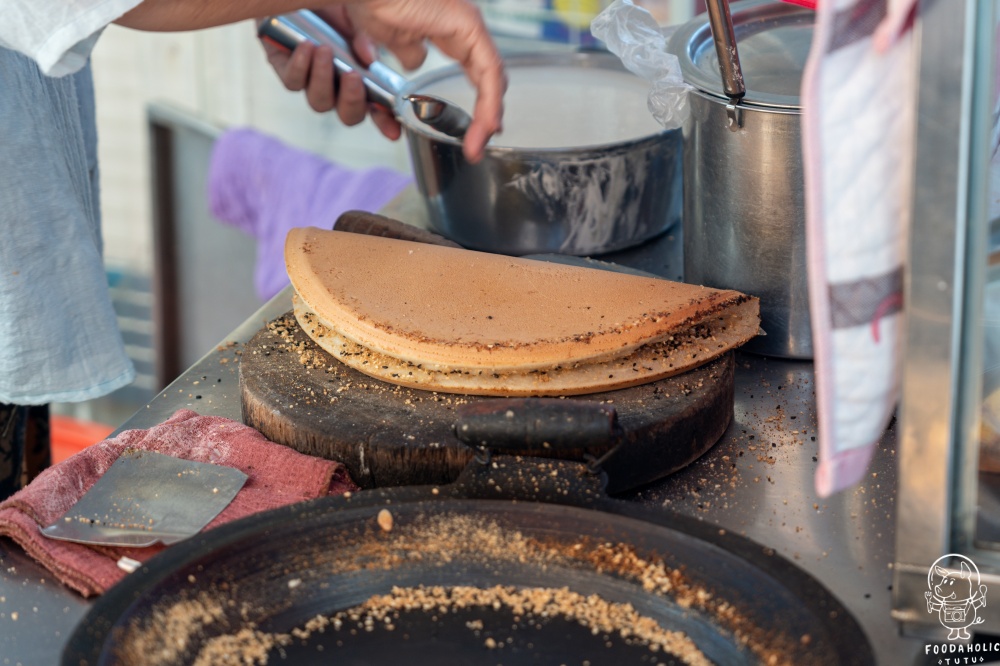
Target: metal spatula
[{"x": 146, "y": 498}]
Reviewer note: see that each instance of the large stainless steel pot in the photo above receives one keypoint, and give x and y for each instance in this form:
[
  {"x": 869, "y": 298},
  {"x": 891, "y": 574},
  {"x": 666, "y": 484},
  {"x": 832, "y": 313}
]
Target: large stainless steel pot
[
  {"x": 595, "y": 192},
  {"x": 744, "y": 206}
]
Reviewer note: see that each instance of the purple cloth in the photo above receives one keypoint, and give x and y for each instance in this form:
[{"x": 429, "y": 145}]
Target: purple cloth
[{"x": 266, "y": 188}]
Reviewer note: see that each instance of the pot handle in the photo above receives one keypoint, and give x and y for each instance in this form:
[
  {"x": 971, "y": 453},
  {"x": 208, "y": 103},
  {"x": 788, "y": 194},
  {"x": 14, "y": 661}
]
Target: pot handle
[
  {"x": 724, "y": 34},
  {"x": 373, "y": 224},
  {"x": 384, "y": 84}
]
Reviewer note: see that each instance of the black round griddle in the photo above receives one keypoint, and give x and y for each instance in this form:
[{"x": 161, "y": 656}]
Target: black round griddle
[{"x": 282, "y": 568}]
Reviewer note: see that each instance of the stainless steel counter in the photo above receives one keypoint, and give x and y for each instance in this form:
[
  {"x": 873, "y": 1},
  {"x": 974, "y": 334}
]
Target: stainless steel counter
[{"x": 757, "y": 481}]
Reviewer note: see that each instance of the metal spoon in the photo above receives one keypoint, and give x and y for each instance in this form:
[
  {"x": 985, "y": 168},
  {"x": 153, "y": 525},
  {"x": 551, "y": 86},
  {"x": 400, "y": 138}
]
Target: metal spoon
[
  {"x": 383, "y": 84},
  {"x": 440, "y": 114}
]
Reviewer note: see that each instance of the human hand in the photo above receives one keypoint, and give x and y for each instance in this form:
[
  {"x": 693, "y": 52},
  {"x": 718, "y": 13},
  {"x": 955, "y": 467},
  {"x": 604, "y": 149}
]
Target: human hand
[
  {"x": 310, "y": 68},
  {"x": 456, "y": 27}
]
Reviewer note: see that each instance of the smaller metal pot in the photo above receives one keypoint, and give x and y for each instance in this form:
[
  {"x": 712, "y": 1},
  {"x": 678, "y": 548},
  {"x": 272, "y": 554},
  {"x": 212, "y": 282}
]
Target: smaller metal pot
[
  {"x": 588, "y": 199},
  {"x": 744, "y": 199}
]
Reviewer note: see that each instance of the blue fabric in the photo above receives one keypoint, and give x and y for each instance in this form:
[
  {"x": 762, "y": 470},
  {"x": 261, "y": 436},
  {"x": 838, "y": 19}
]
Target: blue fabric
[{"x": 59, "y": 340}]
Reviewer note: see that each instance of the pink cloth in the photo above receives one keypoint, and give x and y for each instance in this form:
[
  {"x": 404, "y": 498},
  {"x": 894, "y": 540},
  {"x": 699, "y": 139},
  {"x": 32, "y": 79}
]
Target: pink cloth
[
  {"x": 266, "y": 188},
  {"x": 810, "y": 4},
  {"x": 277, "y": 476}
]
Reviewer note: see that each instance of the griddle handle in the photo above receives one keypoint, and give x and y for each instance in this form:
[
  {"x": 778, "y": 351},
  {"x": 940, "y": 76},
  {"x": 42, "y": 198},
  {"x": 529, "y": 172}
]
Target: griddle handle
[{"x": 538, "y": 426}]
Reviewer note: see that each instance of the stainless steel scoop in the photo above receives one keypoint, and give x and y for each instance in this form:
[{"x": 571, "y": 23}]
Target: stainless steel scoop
[{"x": 384, "y": 85}]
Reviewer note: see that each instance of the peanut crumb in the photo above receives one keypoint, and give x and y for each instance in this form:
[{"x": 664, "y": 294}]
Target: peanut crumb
[{"x": 385, "y": 520}]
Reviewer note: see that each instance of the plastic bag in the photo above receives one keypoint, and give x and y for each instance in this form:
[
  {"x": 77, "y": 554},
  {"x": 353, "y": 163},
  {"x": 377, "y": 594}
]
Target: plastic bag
[{"x": 632, "y": 34}]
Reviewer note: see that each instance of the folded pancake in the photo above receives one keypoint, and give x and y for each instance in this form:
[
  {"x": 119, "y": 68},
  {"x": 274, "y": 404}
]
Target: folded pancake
[{"x": 459, "y": 321}]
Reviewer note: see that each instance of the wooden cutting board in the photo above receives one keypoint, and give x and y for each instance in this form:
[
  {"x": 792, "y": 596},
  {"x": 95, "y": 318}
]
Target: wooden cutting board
[{"x": 298, "y": 395}]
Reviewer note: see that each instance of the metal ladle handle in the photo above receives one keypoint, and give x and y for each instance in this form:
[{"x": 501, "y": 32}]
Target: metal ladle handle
[
  {"x": 383, "y": 84},
  {"x": 721, "y": 22}
]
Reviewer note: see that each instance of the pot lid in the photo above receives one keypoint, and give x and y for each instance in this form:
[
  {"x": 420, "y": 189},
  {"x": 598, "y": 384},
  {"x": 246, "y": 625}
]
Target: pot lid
[{"x": 773, "y": 39}]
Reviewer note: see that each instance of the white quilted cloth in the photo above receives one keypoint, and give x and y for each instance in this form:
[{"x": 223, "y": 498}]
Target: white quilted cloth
[{"x": 858, "y": 100}]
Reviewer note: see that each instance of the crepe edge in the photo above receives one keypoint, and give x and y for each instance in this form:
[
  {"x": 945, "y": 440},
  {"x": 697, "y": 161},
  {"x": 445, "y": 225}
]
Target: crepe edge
[{"x": 578, "y": 379}]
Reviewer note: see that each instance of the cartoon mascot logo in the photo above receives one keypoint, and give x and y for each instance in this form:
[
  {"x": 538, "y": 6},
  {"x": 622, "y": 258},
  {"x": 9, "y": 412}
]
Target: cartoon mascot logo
[{"x": 955, "y": 595}]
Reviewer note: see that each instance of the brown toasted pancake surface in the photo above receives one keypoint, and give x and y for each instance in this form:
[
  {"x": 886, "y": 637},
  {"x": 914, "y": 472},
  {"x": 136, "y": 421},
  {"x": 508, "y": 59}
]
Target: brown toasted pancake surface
[{"x": 463, "y": 311}]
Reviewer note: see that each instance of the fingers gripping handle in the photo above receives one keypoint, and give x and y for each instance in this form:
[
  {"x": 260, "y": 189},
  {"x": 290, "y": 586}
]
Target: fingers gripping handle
[{"x": 382, "y": 83}]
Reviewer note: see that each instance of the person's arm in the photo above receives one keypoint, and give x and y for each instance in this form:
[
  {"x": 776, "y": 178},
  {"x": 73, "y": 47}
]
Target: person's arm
[
  {"x": 177, "y": 15},
  {"x": 456, "y": 27}
]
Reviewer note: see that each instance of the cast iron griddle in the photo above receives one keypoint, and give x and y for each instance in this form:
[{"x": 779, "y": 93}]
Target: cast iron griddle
[
  {"x": 298, "y": 395},
  {"x": 274, "y": 572}
]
